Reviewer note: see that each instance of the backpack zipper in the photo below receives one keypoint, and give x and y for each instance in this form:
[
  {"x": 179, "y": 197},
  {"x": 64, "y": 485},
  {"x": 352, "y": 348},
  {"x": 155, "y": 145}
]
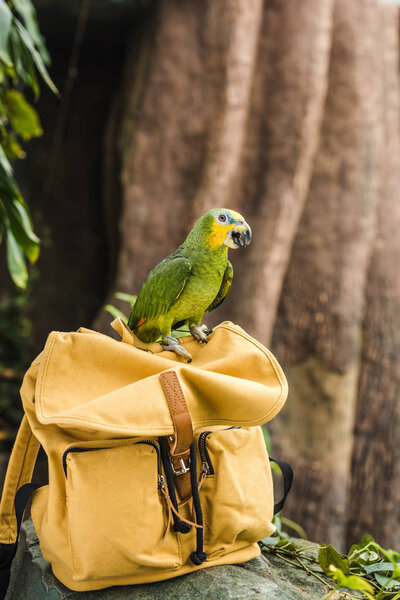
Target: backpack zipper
[
  {"x": 206, "y": 464},
  {"x": 153, "y": 443}
]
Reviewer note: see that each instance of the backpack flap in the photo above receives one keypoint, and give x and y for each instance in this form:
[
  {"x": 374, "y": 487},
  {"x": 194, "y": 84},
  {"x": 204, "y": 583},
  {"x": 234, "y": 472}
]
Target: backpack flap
[{"x": 89, "y": 381}]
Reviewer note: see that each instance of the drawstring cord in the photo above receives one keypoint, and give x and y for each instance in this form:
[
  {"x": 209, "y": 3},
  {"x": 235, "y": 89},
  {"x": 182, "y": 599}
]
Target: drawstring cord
[
  {"x": 179, "y": 524},
  {"x": 199, "y": 556},
  {"x": 201, "y": 481},
  {"x": 172, "y": 510}
]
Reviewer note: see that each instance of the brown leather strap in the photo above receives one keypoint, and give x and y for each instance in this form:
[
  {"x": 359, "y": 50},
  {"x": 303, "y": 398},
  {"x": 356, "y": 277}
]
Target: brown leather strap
[{"x": 179, "y": 444}]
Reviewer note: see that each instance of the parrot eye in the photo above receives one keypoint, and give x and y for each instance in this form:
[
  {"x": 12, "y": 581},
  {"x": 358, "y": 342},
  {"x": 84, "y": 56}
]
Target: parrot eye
[{"x": 222, "y": 218}]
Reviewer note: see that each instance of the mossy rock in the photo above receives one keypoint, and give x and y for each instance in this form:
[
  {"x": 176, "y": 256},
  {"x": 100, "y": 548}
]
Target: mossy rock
[{"x": 268, "y": 578}]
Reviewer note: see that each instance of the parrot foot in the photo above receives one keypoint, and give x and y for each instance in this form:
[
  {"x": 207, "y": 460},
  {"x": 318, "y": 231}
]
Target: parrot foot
[
  {"x": 200, "y": 333},
  {"x": 172, "y": 345}
]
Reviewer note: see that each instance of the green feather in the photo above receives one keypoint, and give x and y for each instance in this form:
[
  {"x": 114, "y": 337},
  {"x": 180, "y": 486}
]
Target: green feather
[
  {"x": 192, "y": 280},
  {"x": 161, "y": 289},
  {"x": 224, "y": 289}
]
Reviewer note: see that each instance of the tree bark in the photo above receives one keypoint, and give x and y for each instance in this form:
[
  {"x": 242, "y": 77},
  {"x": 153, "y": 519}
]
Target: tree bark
[
  {"x": 318, "y": 330},
  {"x": 287, "y": 104},
  {"x": 375, "y": 489},
  {"x": 231, "y": 31}
]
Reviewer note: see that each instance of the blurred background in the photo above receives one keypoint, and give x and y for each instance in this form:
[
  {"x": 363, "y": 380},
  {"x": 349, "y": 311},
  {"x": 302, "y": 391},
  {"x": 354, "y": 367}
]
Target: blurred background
[{"x": 287, "y": 111}]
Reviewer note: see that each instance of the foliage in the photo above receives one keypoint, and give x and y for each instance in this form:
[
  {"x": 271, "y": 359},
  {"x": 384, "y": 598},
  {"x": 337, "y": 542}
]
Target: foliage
[
  {"x": 22, "y": 57},
  {"x": 368, "y": 570},
  {"x": 368, "y": 567},
  {"x": 116, "y": 312},
  {"x": 15, "y": 356}
]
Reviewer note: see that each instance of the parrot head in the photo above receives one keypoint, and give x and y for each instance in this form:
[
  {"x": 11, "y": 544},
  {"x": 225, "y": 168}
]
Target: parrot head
[{"x": 223, "y": 227}]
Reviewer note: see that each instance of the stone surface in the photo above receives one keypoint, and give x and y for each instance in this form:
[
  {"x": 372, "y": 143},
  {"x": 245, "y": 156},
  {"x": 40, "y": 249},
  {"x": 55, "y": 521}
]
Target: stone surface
[{"x": 269, "y": 579}]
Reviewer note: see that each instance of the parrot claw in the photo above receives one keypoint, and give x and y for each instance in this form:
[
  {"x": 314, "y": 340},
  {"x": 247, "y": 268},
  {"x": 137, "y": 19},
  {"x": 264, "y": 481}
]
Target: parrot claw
[
  {"x": 200, "y": 333},
  {"x": 172, "y": 345}
]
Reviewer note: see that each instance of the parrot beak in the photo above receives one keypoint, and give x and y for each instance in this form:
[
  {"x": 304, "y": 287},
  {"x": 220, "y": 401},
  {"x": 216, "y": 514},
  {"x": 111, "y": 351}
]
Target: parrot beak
[{"x": 240, "y": 236}]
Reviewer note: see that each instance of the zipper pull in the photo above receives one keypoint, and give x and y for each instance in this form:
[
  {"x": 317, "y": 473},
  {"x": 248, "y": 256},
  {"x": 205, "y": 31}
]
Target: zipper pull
[
  {"x": 205, "y": 469},
  {"x": 161, "y": 482}
]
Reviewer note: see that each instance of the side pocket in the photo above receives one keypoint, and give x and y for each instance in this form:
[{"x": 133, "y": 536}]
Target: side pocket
[
  {"x": 237, "y": 494},
  {"x": 116, "y": 513}
]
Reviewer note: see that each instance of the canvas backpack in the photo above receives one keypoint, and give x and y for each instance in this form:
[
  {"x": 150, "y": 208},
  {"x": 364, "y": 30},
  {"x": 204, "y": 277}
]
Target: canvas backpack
[{"x": 157, "y": 467}]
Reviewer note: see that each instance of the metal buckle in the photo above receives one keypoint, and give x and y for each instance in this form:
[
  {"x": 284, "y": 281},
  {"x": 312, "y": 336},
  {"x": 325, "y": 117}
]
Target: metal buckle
[{"x": 184, "y": 469}]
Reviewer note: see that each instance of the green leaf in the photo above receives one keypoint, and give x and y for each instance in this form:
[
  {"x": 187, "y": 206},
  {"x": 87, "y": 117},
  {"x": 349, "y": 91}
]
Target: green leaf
[
  {"x": 11, "y": 148},
  {"x": 355, "y": 582},
  {"x": 365, "y": 541},
  {"x": 16, "y": 70},
  {"x": 21, "y": 226},
  {"x": 125, "y": 297},
  {"x": 22, "y": 116},
  {"x": 278, "y": 523},
  {"x": 270, "y": 541},
  {"x": 267, "y": 440},
  {"x": 8, "y": 188},
  {"x": 387, "y": 582},
  {"x": 5, "y": 26},
  {"x": 30, "y": 72},
  {"x": 379, "y": 567},
  {"x": 352, "y": 582},
  {"x": 394, "y": 558},
  {"x": 23, "y": 216},
  {"x": 328, "y": 557},
  {"x": 115, "y": 312},
  {"x": 295, "y": 526},
  {"x": 23, "y": 62},
  {"x": 15, "y": 261},
  {"x": 5, "y": 163},
  {"x": 27, "y": 12},
  {"x": 26, "y": 40}
]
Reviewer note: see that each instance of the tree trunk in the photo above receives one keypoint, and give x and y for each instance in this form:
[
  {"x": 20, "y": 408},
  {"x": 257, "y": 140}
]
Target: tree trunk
[
  {"x": 287, "y": 105},
  {"x": 318, "y": 330},
  {"x": 375, "y": 489}
]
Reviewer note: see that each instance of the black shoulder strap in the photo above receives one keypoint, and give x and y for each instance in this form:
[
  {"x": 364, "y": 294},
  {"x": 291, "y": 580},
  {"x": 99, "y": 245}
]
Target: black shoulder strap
[
  {"x": 7, "y": 551},
  {"x": 287, "y": 474}
]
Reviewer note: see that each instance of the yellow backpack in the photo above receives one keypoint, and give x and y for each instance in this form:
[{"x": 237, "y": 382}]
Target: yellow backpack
[{"x": 156, "y": 467}]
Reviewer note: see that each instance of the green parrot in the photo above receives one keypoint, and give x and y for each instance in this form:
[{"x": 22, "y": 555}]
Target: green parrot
[{"x": 192, "y": 280}]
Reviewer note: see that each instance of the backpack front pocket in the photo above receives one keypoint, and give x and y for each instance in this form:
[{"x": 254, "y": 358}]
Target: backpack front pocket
[
  {"x": 116, "y": 512},
  {"x": 237, "y": 494}
]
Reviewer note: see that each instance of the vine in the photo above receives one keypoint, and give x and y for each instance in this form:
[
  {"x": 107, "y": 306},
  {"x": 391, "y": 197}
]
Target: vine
[
  {"x": 23, "y": 59},
  {"x": 367, "y": 569}
]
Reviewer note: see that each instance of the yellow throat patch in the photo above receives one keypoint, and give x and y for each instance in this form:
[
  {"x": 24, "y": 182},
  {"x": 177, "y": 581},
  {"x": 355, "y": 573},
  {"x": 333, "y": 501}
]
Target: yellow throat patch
[{"x": 219, "y": 231}]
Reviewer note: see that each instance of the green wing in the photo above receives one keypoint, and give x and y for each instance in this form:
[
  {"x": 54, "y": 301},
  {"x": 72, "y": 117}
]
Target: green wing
[
  {"x": 224, "y": 289},
  {"x": 160, "y": 290}
]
